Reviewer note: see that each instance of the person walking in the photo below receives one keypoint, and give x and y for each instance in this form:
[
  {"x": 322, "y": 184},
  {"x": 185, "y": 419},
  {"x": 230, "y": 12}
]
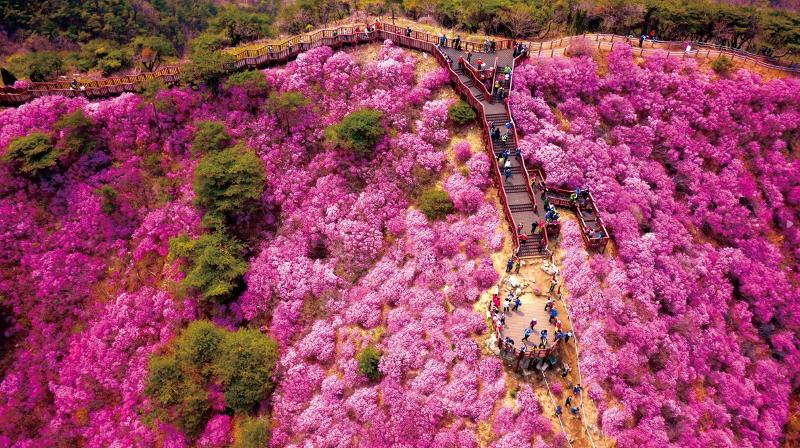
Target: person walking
[
  {"x": 507, "y": 174},
  {"x": 485, "y": 45},
  {"x": 565, "y": 370},
  {"x": 506, "y": 304},
  {"x": 469, "y": 56},
  {"x": 493, "y": 46},
  {"x": 510, "y": 264},
  {"x": 517, "y": 266},
  {"x": 576, "y": 389},
  {"x": 533, "y": 323},
  {"x": 517, "y": 304},
  {"x": 549, "y": 304},
  {"x": 568, "y": 401},
  {"x": 527, "y": 334},
  {"x": 443, "y": 41},
  {"x": 558, "y": 411},
  {"x": 567, "y": 335},
  {"x": 553, "y": 315}
]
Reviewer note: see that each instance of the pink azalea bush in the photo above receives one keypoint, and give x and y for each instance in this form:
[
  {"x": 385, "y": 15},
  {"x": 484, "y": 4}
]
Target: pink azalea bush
[
  {"x": 689, "y": 331},
  {"x": 339, "y": 259}
]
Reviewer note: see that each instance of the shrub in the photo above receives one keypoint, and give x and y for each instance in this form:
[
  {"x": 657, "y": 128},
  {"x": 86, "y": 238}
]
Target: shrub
[
  {"x": 204, "y": 355},
  {"x": 368, "y": 361},
  {"x": 206, "y": 67},
  {"x": 32, "y": 153},
  {"x": 76, "y": 129},
  {"x": 245, "y": 367},
  {"x": 101, "y": 54},
  {"x": 435, "y": 203},
  {"x": 210, "y": 136},
  {"x": 251, "y": 432},
  {"x": 215, "y": 264},
  {"x": 43, "y": 66},
  {"x": 581, "y": 46},
  {"x": 285, "y": 105},
  {"x": 227, "y": 180},
  {"x": 109, "y": 199},
  {"x": 722, "y": 65},
  {"x": 359, "y": 131},
  {"x": 461, "y": 113},
  {"x": 250, "y": 80},
  {"x": 150, "y": 50}
]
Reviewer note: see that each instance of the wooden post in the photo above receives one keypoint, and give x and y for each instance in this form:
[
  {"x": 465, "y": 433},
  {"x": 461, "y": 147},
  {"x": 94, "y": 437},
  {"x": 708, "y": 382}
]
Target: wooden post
[{"x": 519, "y": 360}]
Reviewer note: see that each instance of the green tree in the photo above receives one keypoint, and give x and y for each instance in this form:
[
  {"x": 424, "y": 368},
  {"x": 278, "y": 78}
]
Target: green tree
[
  {"x": 228, "y": 180},
  {"x": 722, "y": 66},
  {"x": 461, "y": 113},
  {"x": 210, "y": 136},
  {"x": 435, "y": 203},
  {"x": 200, "y": 345},
  {"x": 251, "y": 432},
  {"x": 358, "y": 131},
  {"x": 241, "y": 362},
  {"x": 76, "y": 133},
  {"x": 151, "y": 50},
  {"x": 245, "y": 367},
  {"x": 369, "y": 359},
  {"x": 165, "y": 382},
  {"x": 215, "y": 262},
  {"x": 250, "y": 80},
  {"x": 43, "y": 65},
  {"x": 241, "y": 25},
  {"x": 207, "y": 67},
  {"x": 285, "y": 105},
  {"x": 32, "y": 153},
  {"x": 108, "y": 196}
]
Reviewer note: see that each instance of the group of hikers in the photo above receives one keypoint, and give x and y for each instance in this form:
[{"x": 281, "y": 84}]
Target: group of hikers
[
  {"x": 570, "y": 403},
  {"x": 513, "y": 302}
]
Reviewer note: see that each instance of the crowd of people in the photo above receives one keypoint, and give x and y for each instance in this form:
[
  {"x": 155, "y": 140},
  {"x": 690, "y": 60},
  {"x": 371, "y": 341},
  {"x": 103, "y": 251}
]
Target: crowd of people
[{"x": 513, "y": 302}]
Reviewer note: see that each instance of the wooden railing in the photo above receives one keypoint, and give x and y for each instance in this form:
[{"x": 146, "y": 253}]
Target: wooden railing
[
  {"x": 464, "y": 90},
  {"x": 561, "y": 197},
  {"x": 334, "y": 37},
  {"x": 476, "y": 77}
]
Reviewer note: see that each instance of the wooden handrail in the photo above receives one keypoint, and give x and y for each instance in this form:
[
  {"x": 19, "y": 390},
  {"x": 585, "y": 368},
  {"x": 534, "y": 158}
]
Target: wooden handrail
[
  {"x": 347, "y": 34},
  {"x": 472, "y": 72}
]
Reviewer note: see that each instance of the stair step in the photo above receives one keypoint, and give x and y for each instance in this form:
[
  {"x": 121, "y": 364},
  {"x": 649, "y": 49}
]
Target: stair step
[
  {"x": 516, "y": 189},
  {"x": 529, "y": 250},
  {"x": 520, "y": 207}
]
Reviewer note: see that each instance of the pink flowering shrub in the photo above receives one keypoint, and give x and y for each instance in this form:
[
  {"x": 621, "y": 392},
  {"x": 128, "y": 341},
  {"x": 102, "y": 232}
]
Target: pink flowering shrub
[
  {"x": 688, "y": 327},
  {"x": 337, "y": 260},
  {"x": 685, "y": 330},
  {"x": 463, "y": 151}
]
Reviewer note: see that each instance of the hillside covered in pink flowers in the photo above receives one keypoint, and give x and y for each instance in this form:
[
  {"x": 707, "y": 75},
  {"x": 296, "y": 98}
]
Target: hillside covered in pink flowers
[{"x": 112, "y": 335}]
